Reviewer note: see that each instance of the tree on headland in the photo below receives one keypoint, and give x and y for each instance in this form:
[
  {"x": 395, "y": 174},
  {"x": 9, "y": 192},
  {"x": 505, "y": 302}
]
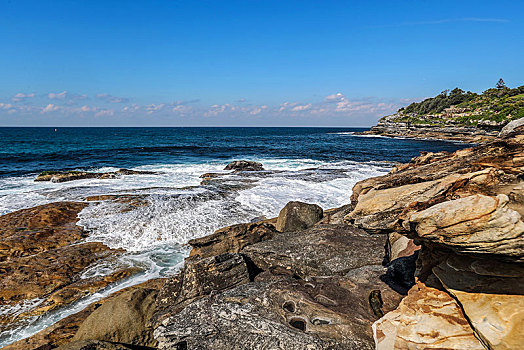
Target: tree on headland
[{"x": 501, "y": 85}]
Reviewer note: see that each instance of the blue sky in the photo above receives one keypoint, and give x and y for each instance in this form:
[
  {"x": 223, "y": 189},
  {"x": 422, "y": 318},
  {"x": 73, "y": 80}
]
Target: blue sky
[{"x": 264, "y": 63}]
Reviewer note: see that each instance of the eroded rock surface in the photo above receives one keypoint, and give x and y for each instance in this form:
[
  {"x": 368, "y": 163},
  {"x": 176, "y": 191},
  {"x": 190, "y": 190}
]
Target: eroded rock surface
[
  {"x": 42, "y": 258},
  {"x": 296, "y": 216},
  {"x": 322, "y": 250},
  {"x": 244, "y": 165},
  {"x": 426, "y": 319}
]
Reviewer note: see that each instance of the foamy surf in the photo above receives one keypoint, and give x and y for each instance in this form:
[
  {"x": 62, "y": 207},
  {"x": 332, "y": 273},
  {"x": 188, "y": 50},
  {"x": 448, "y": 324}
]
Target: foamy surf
[{"x": 172, "y": 209}]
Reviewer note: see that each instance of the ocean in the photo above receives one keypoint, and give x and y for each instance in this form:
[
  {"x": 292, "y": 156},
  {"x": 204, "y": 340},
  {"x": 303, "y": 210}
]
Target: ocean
[{"x": 314, "y": 165}]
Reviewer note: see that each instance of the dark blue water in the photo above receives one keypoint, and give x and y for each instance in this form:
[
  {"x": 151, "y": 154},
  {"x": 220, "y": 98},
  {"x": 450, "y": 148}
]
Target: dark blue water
[{"x": 31, "y": 150}]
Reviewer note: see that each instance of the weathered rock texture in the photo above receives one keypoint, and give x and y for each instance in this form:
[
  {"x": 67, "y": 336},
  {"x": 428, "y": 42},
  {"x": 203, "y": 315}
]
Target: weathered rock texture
[
  {"x": 465, "y": 210},
  {"x": 42, "y": 258},
  {"x": 297, "y": 216},
  {"x": 64, "y": 176},
  {"x": 244, "y": 165},
  {"x": 426, "y": 319}
]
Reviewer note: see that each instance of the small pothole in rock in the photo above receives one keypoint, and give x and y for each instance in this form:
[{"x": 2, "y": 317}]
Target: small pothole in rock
[
  {"x": 289, "y": 306},
  {"x": 298, "y": 323},
  {"x": 320, "y": 321}
]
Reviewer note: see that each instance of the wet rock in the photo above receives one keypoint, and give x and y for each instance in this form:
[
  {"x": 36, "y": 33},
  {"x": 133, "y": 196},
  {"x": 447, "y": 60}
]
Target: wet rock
[
  {"x": 476, "y": 224},
  {"x": 232, "y": 239},
  {"x": 64, "y": 176},
  {"x": 322, "y": 250},
  {"x": 30, "y": 231},
  {"x": 244, "y": 165},
  {"x": 124, "y": 319},
  {"x": 426, "y": 319},
  {"x": 297, "y": 216},
  {"x": 63, "y": 331},
  {"x": 41, "y": 261}
]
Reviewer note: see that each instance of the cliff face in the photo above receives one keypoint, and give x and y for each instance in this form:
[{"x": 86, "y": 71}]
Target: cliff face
[{"x": 465, "y": 210}]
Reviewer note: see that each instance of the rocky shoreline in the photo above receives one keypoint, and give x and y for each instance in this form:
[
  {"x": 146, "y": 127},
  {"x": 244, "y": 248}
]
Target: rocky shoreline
[
  {"x": 469, "y": 134},
  {"x": 429, "y": 256}
]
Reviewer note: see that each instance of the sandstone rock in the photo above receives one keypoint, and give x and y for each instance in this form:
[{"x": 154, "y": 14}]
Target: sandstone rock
[
  {"x": 324, "y": 313},
  {"x": 64, "y": 176},
  {"x": 489, "y": 169},
  {"x": 232, "y": 239},
  {"x": 198, "y": 278},
  {"x": 399, "y": 246},
  {"x": 94, "y": 345},
  {"x": 426, "y": 319},
  {"x": 510, "y": 127},
  {"x": 41, "y": 259},
  {"x": 244, "y": 165},
  {"x": 378, "y": 210},
  {"x": 124, "y": 319},
  {"x": 322, "y": 250},
  {"x": 297, "y": 216},
  {"x": 476, "y": 224},
  {"x": 490, "y": 294},
  {"x": 63, "y": 331}
]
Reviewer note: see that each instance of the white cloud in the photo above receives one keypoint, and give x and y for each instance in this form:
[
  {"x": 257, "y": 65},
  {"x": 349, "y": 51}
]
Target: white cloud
[
  {"x": 22, "y": 97},
  {"x": 50, "y": 108},
  {"x": 57, "y": 95},
  {"x": 111, "y": 98}
]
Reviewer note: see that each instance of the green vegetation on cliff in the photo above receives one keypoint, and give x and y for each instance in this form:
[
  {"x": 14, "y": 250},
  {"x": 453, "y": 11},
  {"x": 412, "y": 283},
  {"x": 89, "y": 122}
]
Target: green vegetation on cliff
[{"x": 495, "y": 106}]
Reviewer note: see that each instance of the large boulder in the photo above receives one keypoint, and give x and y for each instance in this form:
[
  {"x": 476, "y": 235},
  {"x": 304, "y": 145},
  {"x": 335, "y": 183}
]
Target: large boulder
[
  {"x": 232, "y": 239},
  {"x": 244, "y": 165},
  {"x": 124, "y": 319},
  {"x": 490, "y": 294},
  {"x": 426, "y": 319},
  {"x": 322, "y": 250},
  {"x": 297, "y": 216},
  {"x": 511, "y": 127},
  {"x": 476, "y": 224}
]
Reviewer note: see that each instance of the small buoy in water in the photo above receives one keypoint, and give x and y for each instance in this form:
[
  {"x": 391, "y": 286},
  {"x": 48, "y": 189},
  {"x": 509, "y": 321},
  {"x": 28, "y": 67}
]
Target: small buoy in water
[{"x": 55, "y": 130}]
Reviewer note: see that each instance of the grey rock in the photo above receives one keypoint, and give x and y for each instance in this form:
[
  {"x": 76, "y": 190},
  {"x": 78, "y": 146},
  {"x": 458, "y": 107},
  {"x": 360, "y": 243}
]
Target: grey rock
[
  {"x": 322, "y": 250},
  {"x": 297, "y": 216},
  {"x": 510, "y": 127},
  {"x": 325, "y": 313},
  {"x": 244, "y": 165}
]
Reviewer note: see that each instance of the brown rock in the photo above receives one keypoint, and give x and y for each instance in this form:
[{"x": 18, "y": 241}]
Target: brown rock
[
  {"x": 232, "y": 239},
  {"x": 490, "y": 294},
  {"x": 296, "y": 216},
  {"x": 426, "y": 319},
  {"x": 476, "y": 224},
  {"x": 123, "y": 319}
]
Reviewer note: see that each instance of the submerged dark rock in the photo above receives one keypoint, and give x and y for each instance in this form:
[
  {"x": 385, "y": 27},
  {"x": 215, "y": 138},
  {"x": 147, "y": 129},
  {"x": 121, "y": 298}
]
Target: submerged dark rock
[
  {"x": 244, "y": 165},
  {"x": 64, "y": 176}
]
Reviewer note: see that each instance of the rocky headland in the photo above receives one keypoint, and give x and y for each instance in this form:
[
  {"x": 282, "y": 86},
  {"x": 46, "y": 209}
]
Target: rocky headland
[
  {"x": 456, "y": 115},
  {"x": 429, "y": 256}
]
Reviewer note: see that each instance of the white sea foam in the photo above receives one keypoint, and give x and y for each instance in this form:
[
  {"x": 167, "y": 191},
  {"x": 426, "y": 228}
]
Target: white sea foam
[{"x": 175, "y": 209}]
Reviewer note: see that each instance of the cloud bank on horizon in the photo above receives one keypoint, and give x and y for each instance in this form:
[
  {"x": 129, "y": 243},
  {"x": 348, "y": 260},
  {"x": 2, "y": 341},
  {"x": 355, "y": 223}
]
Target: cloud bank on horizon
[{"x": 71, "y": 109}]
